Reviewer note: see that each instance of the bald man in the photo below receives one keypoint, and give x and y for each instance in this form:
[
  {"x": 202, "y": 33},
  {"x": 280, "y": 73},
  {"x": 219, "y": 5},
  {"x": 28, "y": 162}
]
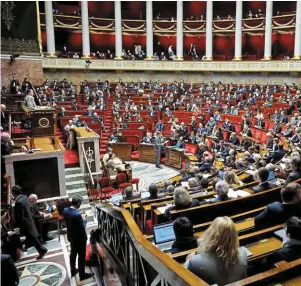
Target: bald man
[{"x": 37, "y": 215}]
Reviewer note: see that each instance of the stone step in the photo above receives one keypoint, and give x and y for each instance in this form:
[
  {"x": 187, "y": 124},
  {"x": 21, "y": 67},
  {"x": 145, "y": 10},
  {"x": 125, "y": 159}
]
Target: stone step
[
  {"x": 70, "y": 171},
  {"x": 73, "y": 177},
  {"x": 77, "y": 191},
  {"x": 75, "y": 185}
]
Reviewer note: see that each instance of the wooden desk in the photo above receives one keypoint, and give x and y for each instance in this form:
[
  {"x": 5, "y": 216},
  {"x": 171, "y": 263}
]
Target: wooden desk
[
  {"x": 191, "y": 160},
  {"x": 123, "y": 150},
  {"x": 147, "y": 153},
  {"x": 41, "y": 172},
  {"x": 54, "y": 218},
  {"x": 88, "y": 142},
  {"x": 43, "y": 121},
  {"x": 174, "y": 157}
]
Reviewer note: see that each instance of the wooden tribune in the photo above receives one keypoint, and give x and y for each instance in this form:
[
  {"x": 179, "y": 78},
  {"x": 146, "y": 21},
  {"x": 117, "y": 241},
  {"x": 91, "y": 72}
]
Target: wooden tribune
[
  {"x": 147, "y": 153},
  {"x": 123, "y": 150},
  {"x": 43, "y": 121},
  {"x": 174, "y": 157}
]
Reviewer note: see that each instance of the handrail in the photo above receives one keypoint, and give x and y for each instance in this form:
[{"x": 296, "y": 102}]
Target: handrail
[
  {"x": 86, "y": 161},
  {"x": 120, "y": 234},
  {"x": 8, "y": 180}
]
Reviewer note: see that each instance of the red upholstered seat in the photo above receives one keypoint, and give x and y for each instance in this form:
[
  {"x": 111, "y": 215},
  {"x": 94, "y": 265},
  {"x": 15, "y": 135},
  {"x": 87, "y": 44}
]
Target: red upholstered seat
[
  {"x": 135, "y": 181},
  {"x": 121, "y": 182},
  {"x": 124, "y": 185},
  {"x": 105, "y": 188}
]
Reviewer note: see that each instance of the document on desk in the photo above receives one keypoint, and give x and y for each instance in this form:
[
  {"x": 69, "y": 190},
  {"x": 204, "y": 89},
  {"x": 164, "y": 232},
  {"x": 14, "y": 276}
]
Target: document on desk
[
  {"x": 163, "y": 209},
  {"x": 241, "y": 193},
  {"x": 184, "y": 184},
  {"x": 250, "y": 172},
  {"x": 232, "y": 194}
]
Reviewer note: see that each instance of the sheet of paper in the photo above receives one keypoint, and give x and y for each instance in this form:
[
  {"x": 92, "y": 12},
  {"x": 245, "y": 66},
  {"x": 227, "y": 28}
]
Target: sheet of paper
[
  {"x": 232, "y": 194},
  {"x": 184, "y": 184},
  {"x": 241, "y": 193},
  {"x": 250, "y": 172}
]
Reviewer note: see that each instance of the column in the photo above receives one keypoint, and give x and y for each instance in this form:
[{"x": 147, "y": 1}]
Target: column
[
  {"x": 209, "y": 33},
  {"x": 85, "y": 30},
  {"x": 268, "y": 31},
  {"x": 180, "y": 30},
  {"x": 238, "y": 31},
  {"x": 297, "y": 51},
  {"x": 49, "y": 29},
  {"x": 149, "y": 30},
  {"x": 118, "y": 31}
]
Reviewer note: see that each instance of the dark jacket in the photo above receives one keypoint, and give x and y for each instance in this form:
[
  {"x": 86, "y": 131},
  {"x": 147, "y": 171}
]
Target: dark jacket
[
  {"x": 24, "y": 217},
  {"x": 206, "y": 167},
  {"x": 75, "y": 225},
  {"x": 264, "y": 187},
  {"x": 9, "y": 271},
  {"x": 293, "y": 176},
  {"x": 277, "y": 213},
  {"x": 193, "y": 203},
  {"x": 290, "y": 251},
  {"x": 184, "y": 243},
  {"x": 218, "y": 199}
]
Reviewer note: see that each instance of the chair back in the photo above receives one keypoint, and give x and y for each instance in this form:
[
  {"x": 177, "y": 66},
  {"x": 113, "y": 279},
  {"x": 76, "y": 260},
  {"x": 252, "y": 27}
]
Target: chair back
[
  {"x": 104, "y": 182},
  {"x": 121, "y": 178}
]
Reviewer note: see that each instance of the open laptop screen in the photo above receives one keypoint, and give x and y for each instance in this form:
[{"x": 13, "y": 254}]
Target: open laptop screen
[{"x": 164, "y": 233}]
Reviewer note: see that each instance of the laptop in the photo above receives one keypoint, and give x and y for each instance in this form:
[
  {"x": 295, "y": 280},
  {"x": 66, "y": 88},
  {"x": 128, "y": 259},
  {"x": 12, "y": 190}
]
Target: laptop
[
  {"x": 271, "y": 176},
  {"x": 116, "y": 199},
  {"x": 144, "y": 195},
  {"x": 281, "y": 233},
  {"x": 164, "y": 236}
]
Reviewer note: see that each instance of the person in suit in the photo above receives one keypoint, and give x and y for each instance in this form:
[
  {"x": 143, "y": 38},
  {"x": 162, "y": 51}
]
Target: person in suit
[
  {"x": 76, "y": 234},
  {"x": 129, "y": 194},
  {"x": 193, "y": 184},
  {"x": 13, "y": 85},
  {"x": 9, "y": 271},
  {"x": 29, "y": 100},
  {"x": 261, "y": 176},
  {"x": 159, "y": 125},
  {"x": 207, "y": 165},
  {"x": 233, "y": 139},
  {"x": 295, "y": 165},
  {"x": 37, "y": 215},
  {"x": 276, "y": 213},
  {"x": 277, "y": 128},
  {"x": 222, "y": 189},
  {"x": 276, "y": 156},
  {"x": 148, "y": 138},
  {"x": 291, "y": 249},
  {"x": 153, "y": 191},
  {"x": 158, "y": 148},
  {"x": 184, "y": 233},
  {"x": 180, "y": 143},
  {"x": 181, "y": 200},
  {"x": 25, "y": 222}
]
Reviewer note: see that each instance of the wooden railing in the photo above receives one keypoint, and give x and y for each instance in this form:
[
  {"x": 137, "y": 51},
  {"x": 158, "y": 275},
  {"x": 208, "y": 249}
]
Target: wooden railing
[{"x": 143, "y": 263}]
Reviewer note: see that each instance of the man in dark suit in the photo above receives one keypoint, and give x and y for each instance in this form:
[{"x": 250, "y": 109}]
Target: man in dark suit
[
  {"x": 291, "y": 249},
  {"x": 159, "y": 143},
  {"x": 296, "y": 170},
  {"x": 25, "y": 221},
  {"x": 76, "y": 234},
  {"x": 277, "y": 127},
  {"x": 276, "y": 156},
  {"x": 262, "y": 176},
  {"x": 129, "y": 194},
  {"x": 207, "y": 165},
  {"x": 13, "y": 85},
  {"x": 9, "y": 271},
  {"x": 233, "y": 139},
  {"x": 276, "y": 213}
]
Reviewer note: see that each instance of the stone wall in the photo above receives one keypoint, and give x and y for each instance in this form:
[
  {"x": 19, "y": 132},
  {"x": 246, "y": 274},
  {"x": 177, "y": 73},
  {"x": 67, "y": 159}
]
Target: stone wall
[
  {"x": 76, "y": 76},
  {"x": 22, "y": 67}
]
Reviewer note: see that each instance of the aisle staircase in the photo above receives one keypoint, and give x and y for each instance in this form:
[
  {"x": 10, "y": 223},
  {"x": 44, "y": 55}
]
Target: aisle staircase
[
  {"x": 75, "y": 185},
  {"x": 108, "y": 118}
]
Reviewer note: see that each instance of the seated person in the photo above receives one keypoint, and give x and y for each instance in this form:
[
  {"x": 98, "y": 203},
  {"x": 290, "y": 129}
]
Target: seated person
[
  {"x": 219, "y": 259},
  {"x": 164, "y": 189},
  {"x": 184, "y": 233},
  {"x": 180, "y": 143},
  {"x": 193, "y": 184},
  {"x": 204, "y": 184},
  {"x": 277, "y": 213},
  {"x": 295, "y": 165},
  {"x": 232, "y": 179},
  {"x": 190, "y": 173},
  {"x": 222, "y": 189},
  {"x": 277, "y": 155},
  {"x": 170, "y": 189},
  {"x": 112, "y": 171},
  {"x": 207, "y": 165},
  {"x": 148, "y": 138},
  {"x": 108, "y": 156},
  {"x": 153, "y": 190},
  {"x": 181, "y": 200},
  {"x": 261, "y": 176},
  {"x": 129, "y": 194},
  {"x": 291, "y": 249},
  {"x": 37, "y": 215}
]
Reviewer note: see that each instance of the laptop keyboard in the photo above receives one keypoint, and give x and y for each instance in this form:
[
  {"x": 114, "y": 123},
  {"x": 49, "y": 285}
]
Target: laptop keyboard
[{"x": 165, "y": 246}]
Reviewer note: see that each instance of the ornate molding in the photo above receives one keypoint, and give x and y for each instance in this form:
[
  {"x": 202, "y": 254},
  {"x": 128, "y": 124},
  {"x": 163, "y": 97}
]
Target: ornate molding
[
  {"x": 18, "y": 46},
  {"x": 205, "y": 66}
]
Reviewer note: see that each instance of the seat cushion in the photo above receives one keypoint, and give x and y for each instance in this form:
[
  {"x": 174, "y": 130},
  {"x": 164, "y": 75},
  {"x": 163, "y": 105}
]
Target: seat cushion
[
  {"x": 124, "y": 185},
  {"x": 134, "y": 180},
  {"x": 107, "y": 190}
]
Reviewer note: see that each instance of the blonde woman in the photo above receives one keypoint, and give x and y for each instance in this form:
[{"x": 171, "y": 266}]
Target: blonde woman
[
  {"x": 232, "y": 179},
  {"x": 219, "y": 259},
  {"x": 181, "y": 200}
]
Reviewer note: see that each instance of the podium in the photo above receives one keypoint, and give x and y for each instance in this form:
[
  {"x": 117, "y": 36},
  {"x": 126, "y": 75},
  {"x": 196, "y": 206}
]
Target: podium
[
  {"x": 174, "y": 157},
  {"x": 43, "y": 121},
  {"x": 147, "y": 153}
]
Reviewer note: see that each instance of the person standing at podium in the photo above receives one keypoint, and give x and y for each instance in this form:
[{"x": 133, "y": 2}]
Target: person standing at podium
[
  {"x": 29, "y": 100},
  {"x": 159, "y": 142}
]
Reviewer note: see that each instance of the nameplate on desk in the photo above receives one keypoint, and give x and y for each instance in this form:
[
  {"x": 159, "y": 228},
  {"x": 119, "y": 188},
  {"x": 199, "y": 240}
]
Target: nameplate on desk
[{"x": 21, "y": 153}]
